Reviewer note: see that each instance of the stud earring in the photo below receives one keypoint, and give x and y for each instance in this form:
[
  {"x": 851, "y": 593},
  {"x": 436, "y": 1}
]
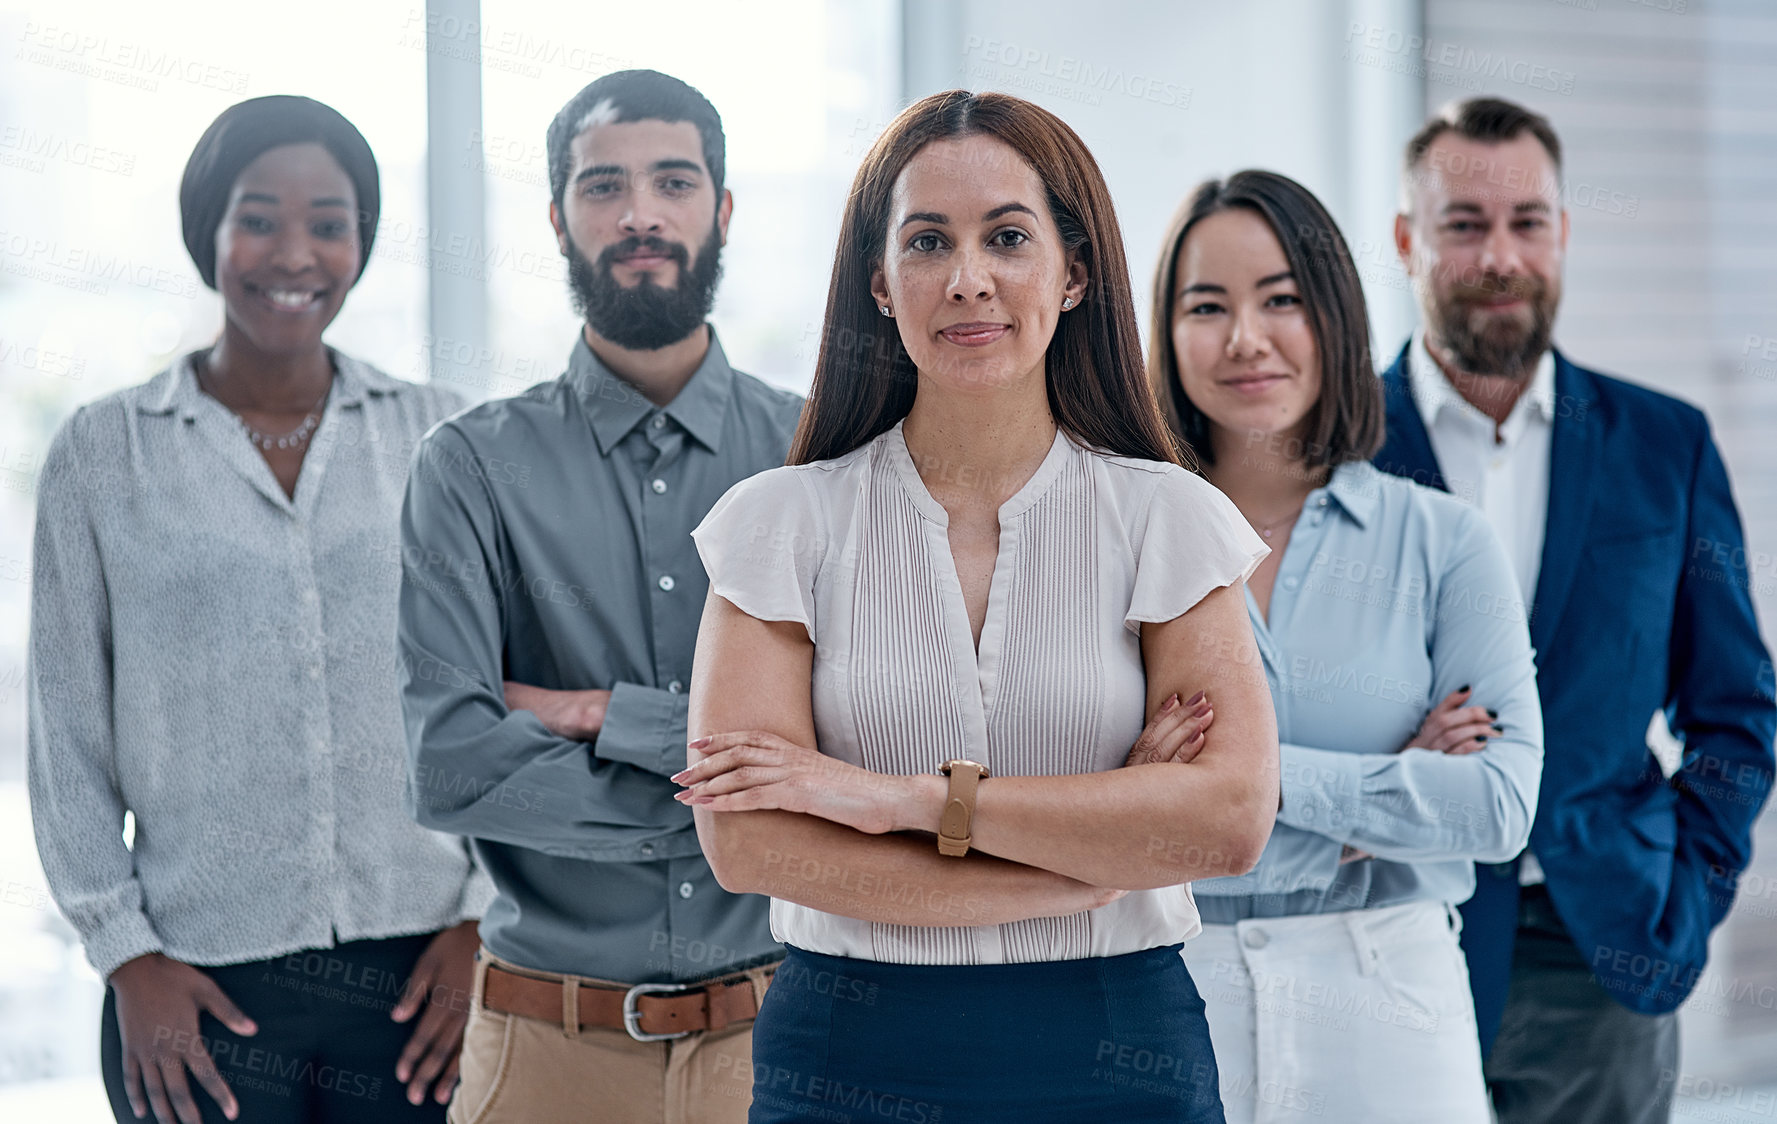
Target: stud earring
[
  {"x": 1068, "y": 303},
  {"x": 885, "y": 311}
]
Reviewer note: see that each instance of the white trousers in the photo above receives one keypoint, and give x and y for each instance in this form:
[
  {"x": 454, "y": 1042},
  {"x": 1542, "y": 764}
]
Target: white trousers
[{"x": 1361, "y": 1017}]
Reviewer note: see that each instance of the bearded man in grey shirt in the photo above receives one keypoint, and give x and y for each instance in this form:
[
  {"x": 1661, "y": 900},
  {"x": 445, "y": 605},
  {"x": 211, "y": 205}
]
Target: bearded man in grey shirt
[{"x": 549, "y": 608}]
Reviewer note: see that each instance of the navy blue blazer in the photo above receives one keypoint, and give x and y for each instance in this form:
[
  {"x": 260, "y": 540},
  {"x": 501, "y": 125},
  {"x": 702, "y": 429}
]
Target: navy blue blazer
[{"x": 1642, "y": 604}]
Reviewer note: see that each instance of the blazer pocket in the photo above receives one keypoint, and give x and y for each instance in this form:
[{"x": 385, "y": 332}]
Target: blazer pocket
[
  {"x": 1642, "y": 571},
  {"x": 1655, "y": 541}
]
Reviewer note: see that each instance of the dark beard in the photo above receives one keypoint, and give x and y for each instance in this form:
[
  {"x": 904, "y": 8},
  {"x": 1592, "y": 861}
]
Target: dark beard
[
  {"x": 646, "y": 317},
  {"x": 1505, "y": 348}
]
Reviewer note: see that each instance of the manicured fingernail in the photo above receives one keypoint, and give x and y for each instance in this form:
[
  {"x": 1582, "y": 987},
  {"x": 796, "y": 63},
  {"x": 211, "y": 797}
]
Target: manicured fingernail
[
  {"x": 1171, "y": 701},
  {"x": 1481, "y": 737},
  {"x": 1498, "y": 727},
  {"x": 677, "y": 778},
  {"x": 1462, "y": 690},
  {"x": 701, "y": 742},
  {"x": 1491, "y": 713},
  {"x": 1194, "y": 699}
]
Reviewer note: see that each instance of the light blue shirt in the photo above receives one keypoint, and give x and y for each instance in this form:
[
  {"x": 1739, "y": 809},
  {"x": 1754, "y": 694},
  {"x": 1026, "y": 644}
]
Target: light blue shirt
[{"x": 1388, "y": 597}]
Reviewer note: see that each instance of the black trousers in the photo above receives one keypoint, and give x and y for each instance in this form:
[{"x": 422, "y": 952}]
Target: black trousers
[
  {"x": 1567, "y": 1053},
  {"x": 326, "y": 1048}
]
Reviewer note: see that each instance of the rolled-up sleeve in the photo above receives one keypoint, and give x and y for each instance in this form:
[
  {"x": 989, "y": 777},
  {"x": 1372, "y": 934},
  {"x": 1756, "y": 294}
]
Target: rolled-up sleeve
[
  {"x": 1418, "y": 805},
  {"x": 479, "y": 769},
  {"x": 77, "y": 810}
]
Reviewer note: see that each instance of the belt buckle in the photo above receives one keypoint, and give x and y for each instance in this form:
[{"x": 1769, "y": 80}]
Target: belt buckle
[{"x": 632, "y": 1014}]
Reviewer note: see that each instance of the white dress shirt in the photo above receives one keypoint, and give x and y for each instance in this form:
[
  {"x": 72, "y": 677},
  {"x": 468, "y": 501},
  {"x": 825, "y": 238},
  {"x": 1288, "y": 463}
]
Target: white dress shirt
[{"x": 1503, "y": 470}]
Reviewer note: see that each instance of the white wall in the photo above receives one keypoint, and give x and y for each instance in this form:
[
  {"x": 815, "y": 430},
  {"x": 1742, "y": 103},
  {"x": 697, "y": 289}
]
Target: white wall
[{"x": 1167, "y": 94}]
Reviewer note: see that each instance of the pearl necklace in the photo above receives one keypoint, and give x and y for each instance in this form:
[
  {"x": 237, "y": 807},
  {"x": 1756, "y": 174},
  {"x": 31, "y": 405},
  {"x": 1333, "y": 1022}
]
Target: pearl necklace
[
  {"x": 269, "y": 441},
  {"x": 289, "y": 440}
]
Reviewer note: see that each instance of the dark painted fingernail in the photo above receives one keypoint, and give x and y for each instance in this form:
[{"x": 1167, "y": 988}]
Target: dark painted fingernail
[
  {"x": 1491, "y": 713},
  {"x": 1481, "y": 737},
  {"x": 1498, "y": 727},
  {"x": 1462, "y": 688}
]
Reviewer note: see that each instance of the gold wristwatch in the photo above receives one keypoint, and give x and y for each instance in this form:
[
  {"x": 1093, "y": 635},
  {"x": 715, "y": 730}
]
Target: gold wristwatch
[{"x": 959, "y": 807}]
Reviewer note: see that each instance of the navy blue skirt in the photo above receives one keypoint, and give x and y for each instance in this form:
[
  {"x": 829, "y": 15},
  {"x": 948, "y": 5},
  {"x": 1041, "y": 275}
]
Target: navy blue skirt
[{"x": 1120, "y": 1038}]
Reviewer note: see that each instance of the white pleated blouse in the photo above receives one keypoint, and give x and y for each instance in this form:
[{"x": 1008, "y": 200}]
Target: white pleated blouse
[{"x": 857, "y": 551}]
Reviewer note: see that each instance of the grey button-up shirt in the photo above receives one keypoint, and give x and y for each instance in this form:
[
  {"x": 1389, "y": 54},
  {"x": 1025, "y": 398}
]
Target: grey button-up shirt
[
  {"x": 218, "y": 659},
  {"x": 547, "y": 540}
]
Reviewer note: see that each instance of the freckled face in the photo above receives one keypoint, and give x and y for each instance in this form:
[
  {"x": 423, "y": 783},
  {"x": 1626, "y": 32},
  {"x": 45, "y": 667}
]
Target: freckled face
[{"x": 974, "y": 269}]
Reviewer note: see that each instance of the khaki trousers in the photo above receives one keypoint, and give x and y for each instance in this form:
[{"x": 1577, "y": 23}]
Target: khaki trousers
[{"x": 517, "y": 1070}]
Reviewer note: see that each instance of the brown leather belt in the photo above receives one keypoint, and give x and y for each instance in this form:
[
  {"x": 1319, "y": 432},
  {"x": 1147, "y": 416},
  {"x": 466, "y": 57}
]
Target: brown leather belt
[{"x": 649, "y": 1012}]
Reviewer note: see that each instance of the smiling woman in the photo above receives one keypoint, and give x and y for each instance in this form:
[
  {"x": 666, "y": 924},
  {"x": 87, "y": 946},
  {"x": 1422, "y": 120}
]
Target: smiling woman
[{"x": 184, "y": 570}]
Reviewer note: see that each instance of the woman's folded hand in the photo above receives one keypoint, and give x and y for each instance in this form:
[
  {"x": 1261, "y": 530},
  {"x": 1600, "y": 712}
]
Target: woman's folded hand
[
  {"x": 1175, "y": 733},
  {"x": 752, "y": 770}
]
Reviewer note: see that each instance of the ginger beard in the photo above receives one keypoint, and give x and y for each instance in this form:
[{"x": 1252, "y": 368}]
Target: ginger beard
[{"x": 1507, "y": 342}]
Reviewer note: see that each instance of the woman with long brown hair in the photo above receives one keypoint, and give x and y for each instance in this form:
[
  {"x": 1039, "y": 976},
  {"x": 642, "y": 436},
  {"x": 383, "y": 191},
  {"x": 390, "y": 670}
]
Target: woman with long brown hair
[{"x": 950, "y": 617}]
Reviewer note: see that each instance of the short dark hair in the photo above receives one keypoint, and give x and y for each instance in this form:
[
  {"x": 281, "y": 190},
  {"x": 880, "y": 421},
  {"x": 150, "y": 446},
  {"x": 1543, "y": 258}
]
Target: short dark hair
[
  {"x": 864, "y": 380},
  {"x": 635, "y": 95},
  {"x": 246, "y": 131},
  {"x": 1346, "y": 424},
  {"x": 1489, "y": 120}
]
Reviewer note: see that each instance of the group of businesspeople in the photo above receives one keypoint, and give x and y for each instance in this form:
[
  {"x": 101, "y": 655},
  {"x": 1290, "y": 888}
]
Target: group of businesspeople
[{"x": 1019, "y": 728}]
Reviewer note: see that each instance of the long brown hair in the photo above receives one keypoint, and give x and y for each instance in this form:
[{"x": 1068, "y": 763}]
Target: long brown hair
[
  {"x": 1346, "y": 423},
  {"x": 864, "y": 381}
]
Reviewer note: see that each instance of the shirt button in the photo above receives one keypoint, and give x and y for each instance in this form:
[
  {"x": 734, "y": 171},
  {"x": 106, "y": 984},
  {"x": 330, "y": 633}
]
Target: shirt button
[
  {"x": 1322, "y": 503},
  {"x": 666, "y": 582},
  {"x": 675, "y": 686},
  {"x": 659, "y": 421},
  {"x": 1291, "y": 583},
  {"x": 1255, "y": 938},
  {"x": 685, "y": 889},
  {"x": 647, "y": 849},
  {"x": 659, "y": 487}
]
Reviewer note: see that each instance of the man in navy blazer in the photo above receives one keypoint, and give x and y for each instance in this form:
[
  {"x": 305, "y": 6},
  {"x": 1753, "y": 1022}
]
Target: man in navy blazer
[{"x": 1614, "y": 503}]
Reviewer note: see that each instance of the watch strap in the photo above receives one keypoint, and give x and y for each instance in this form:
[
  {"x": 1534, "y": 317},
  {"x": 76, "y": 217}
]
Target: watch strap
[{"x": 956, "y": 823}]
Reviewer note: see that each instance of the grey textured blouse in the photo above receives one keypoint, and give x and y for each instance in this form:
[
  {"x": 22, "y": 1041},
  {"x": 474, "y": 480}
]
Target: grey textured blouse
[{"x": 219, "y": 660}]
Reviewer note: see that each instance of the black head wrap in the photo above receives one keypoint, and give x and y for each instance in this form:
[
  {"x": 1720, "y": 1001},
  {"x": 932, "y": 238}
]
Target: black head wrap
[{"x": 242, "y": 134}]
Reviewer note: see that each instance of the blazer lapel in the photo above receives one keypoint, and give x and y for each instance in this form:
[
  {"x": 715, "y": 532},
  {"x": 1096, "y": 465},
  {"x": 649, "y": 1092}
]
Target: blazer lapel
[
  {"x": 1573, "y": 474},
  {"x": 1407, "y": 450}
]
